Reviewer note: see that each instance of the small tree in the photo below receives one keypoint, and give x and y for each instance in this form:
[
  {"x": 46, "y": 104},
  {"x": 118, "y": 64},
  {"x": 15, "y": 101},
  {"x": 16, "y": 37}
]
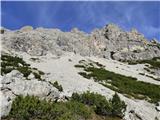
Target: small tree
[{"x": 118, "y": 106}]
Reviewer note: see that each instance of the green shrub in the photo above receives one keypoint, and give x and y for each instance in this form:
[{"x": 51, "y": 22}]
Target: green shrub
[
  {"x": 25, "y": 71},
  {"x": 76, "y": 97},
  {"x": 40, "y": 72},
  {"x": 100, "y": 105},
  {"x": 84, "y": 74},
  {"x": 5, "y": 70},
  {"x": 37, "y": 76},
  {"x": 56, "y": 85},
  {"x": 118, "y": 106},
  {"x": 98, "y": 64},
  {"x": 31, "y": 108},
  {"x": 79, "y": 109},
  {"x": 79, "y": 66},
  {"x": 98, "y": 102}
]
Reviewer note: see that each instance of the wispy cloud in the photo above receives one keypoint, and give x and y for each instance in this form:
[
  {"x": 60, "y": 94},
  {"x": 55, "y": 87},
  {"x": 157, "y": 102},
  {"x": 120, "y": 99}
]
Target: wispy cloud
[
  {"x": 144, "y": 16},
  {"x": 45, "y": 15}
]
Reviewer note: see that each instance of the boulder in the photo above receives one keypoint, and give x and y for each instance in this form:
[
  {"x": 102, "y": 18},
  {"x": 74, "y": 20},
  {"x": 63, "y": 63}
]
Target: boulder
[{"x": 31, "y": 76}]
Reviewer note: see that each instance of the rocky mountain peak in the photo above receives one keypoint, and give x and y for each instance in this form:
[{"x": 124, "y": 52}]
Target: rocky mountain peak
[
  {"x": 112, "y": 27},
  {"x": 26, "y": 28},
  {"x": 75, "y": 30},
  {"x": 112, "y": 31},
  {"x": 101, "y": 42},
  {"x": 155, "y": 41},
  {"x": 134, "y": 31}
]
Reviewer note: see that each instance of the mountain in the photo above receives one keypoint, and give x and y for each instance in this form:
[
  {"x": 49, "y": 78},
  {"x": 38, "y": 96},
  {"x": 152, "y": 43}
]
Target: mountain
[
  {"x": 108, "y": 42},
  {"x": 52, "y": 64}
]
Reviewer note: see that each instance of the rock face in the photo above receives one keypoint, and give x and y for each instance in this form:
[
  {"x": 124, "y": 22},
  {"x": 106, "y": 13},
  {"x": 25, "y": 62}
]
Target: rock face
[
  {"x": 14, "y": 84},
  {"x": 108, "y": 42}
]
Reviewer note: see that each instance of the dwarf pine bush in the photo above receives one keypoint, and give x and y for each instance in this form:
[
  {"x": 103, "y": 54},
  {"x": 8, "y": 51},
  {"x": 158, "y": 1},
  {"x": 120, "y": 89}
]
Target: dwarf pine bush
[
  {"x": 118, "y": 106},
  {"x": 113, "y": 107},
  {"x": 32, "y": 108},
  {"x": 56, "y": 85}
]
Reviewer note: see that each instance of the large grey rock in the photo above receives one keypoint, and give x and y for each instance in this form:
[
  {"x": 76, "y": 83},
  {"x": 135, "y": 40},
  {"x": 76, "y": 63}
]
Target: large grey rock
[{"x": 7, "y": 96}]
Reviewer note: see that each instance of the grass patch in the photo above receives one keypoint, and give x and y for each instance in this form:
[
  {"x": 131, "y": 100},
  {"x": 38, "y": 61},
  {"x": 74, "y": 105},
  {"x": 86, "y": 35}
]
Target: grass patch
[{"x": 123, "y": 84}]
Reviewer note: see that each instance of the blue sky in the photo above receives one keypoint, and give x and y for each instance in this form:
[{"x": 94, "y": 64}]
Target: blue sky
[{"x": 144, "y": 16}]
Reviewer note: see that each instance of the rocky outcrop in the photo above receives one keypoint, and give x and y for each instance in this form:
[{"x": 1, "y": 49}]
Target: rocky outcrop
[
  {"x": 14, "y": 84},
  {"x": 26, "y": 29},
  {"x": 101, "y": 42}
]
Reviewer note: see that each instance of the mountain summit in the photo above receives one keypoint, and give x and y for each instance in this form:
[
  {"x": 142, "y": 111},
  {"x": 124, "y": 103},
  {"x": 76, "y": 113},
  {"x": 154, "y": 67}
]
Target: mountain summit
[{"x": 108, "y": 42}]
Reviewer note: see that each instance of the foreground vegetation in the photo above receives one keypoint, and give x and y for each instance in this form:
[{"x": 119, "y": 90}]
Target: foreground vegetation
[
  {"x": 31, "y": 108},
  {"x": 128, "y": 86},
  {"x": 80, "y": 107},
  {"x": 9, "y": 63}
]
